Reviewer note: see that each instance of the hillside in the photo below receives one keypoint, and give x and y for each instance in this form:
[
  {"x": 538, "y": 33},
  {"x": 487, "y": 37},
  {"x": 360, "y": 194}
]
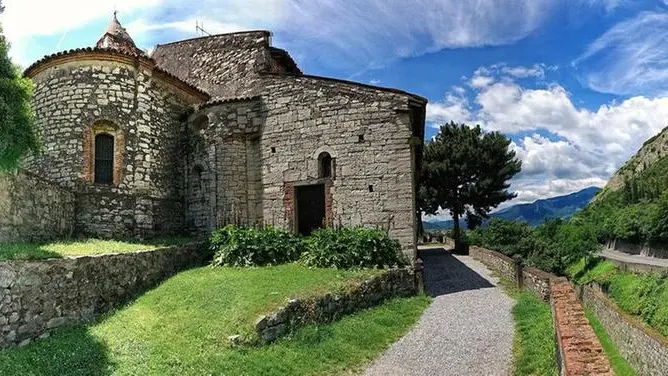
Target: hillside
[
  {"x": 651, "y": 151},
  {"x": 633, "y": 206},
  {"x": 536, "y": 212}
]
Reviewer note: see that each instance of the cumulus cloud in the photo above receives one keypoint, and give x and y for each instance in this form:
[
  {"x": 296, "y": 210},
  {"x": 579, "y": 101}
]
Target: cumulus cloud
[
  {"x": 563, "y": 147},
  {"x": 630, "y": 58}
]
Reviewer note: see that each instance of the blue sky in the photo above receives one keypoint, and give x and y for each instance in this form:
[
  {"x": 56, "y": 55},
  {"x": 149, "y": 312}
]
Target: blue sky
[{"x": 577, "y": 84}]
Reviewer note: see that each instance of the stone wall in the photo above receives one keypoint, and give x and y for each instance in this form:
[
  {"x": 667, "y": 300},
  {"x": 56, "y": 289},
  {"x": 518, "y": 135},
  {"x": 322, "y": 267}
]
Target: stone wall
[
  {"x": 497, "y": 262},
  {"x": 76, "y": 100},
  {"x": 371, "y": 137},
  {"x": 537, "y": 281},
  {"x": 38, "y": 296},
  {"x": 224, "y": 179},
  {"x": 32, "y": 209},
  {"x": 579, "y": 350},
  {"x": 333, "y": 305},
  {"x": 644, "y": 348},
  {"x": 636, "y": 249},
  {"x": 226, "y": 66}
]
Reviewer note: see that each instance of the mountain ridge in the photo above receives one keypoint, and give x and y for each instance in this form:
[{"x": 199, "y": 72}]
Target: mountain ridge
[{"x": 534, "y": 213}]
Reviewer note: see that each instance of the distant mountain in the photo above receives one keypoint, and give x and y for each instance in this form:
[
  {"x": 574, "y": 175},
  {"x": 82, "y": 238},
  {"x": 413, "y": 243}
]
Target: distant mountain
[{"x": 536, "y": 212}]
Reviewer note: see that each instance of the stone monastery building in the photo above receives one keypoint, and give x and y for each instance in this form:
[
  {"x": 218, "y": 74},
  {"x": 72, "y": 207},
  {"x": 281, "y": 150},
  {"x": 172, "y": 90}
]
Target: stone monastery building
[{"x": 222, "y": 129}]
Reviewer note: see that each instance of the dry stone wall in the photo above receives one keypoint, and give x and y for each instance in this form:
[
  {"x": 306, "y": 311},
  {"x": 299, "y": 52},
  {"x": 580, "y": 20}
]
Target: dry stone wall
[
  {"x": 32, "y": 209},
  {"x": 333, "y": 305},
  {"x": 38, "y": 296},
  {"x": 644, "y": 348},
  {"x": 143, "y": 114}
]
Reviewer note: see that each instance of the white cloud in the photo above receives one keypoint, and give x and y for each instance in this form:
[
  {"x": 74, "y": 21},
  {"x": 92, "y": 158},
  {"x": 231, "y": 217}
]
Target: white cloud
[
  {"x": 451, "y": 108},
  {"x": 630, "y": 58},
  {"x": 370, "y": 32},
  {"x": 536, "y": 70},
  {"x": 563, "y": 147}
]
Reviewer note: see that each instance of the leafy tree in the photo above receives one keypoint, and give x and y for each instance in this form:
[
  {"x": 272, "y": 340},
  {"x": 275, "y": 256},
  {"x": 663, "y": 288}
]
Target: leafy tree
[
  {"x": 466, "y": 172},
  {"x": 18, "y": 135}
]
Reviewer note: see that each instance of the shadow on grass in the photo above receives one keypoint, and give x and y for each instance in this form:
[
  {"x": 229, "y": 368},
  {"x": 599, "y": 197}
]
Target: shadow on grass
[
  {"x": 445, "y": 274},
  {"x": 69, "y": 351}
]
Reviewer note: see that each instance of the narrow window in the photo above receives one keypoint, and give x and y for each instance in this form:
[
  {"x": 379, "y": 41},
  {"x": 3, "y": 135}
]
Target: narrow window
[
  {"x": 360, "y": 138},
  {"x": 104, "y": 159},
  {"x": 325, "y": 168}
]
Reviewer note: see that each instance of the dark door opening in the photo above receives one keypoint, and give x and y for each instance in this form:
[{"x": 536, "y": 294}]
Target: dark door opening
[{"x": 310, "y": 200}]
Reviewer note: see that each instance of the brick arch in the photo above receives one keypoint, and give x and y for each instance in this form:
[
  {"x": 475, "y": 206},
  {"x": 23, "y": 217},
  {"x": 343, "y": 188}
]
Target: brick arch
[{"x": 103, "y": 126}]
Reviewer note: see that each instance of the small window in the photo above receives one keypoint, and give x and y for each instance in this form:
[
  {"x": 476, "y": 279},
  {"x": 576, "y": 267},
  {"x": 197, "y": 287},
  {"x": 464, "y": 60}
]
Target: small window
[
  {"x": 360, "y": 138},
  {"x": 325, "y": 168},
  {"x": 370, "y": 188},
  {"x": 104, "y": 159},
  {"x": 273, "y": 149}
]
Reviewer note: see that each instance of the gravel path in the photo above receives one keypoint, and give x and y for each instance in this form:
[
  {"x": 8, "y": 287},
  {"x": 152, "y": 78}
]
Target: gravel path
[{"x": 467, "y": 330}]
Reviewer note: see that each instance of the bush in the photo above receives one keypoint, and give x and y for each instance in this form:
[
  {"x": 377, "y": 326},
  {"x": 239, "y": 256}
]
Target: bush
[
  {"x": 253, "y": 246},
  {"x": 351, "y": 247}
]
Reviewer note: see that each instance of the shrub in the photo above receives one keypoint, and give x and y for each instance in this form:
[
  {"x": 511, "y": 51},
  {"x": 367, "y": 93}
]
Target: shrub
[
  {"x": 351, "y": 247},
  {"x": 252, "y": 246}
]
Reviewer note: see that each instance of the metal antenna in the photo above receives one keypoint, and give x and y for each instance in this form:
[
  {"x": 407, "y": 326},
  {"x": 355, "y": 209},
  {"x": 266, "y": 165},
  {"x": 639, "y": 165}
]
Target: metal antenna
[{"x": 200, "y": 29}]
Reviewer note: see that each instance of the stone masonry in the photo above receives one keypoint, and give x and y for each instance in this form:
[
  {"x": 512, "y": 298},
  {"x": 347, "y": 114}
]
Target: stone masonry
[
  {"x": 33, "y": 209},
  {"x": 222, "y": 129},
  {"x": 38, "y": 296}
]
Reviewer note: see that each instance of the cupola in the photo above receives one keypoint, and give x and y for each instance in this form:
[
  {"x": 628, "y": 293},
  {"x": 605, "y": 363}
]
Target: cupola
[{"x": 117, "y": 38}]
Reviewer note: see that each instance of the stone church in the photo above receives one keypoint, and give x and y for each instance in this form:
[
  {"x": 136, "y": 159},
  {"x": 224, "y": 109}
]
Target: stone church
[{"x": 221, "y": 129}]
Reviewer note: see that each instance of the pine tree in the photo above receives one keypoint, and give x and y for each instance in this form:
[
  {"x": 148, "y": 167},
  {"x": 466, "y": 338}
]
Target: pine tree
[
  {"x": 466, "y": 172},
  {"x": 18, "y": 136}
]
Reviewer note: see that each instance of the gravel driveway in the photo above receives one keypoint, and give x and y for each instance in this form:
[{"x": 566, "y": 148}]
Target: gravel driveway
[{"x": 467, "y": 330}]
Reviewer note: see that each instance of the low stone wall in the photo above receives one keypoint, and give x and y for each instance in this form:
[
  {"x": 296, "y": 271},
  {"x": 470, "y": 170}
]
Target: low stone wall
[
  {"x": 331, "y": 306},
  {"x": 644, "y": 348},
  {"x": 535, "y": 280},
  {"x": 636, "y": 249},
  {"x": 32, "y": 209},
  {"x": 38, "y": 296},
  {"x": 497, "y": 262},
  {"x": 579, "y": 351}
]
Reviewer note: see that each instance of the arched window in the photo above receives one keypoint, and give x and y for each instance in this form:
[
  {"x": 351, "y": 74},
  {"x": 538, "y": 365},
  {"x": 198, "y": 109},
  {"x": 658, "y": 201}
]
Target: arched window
[
  {"x": 104, "y": 159},
  {"x": 324, "y": 165}
]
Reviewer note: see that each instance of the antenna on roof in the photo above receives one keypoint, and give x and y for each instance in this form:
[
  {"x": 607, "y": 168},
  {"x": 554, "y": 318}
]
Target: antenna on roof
[{"x": 199, "y": 29}]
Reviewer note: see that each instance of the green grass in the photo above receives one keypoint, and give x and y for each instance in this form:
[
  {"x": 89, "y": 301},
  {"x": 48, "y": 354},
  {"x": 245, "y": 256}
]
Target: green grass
[
  {"x": 619, "y": 364},
  {"x": 181, "y": 328},
  {"x": 643, "y": 295},
  {"x": 590, "y": 270},
  {"x": 38, "y": 251},
  {"x": 533, "y": 345}
]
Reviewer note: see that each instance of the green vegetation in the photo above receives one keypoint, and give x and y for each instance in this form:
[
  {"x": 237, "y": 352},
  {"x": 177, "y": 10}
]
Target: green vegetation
[
  {"x": 553, "y": 246},
  {"x": 37, "y": 251},
  {"x": 644, "y": 296},
  {"x": 618, "y": 363},
  {"x": 18, "y": 135},
  {"x": 352, "y": 247},
  {"x": 182, "y": 326},
  {"x": 466, "y": 171},
  {"x": 346, "y": 247},
  {"x": 252, "y": 246},
  {"x": 533, "y": 348}
]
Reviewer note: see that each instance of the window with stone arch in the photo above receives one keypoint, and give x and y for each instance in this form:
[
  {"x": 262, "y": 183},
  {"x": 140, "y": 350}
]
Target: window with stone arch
[
  {"x": 325, "y": 165},
  {"x": 104, "y": 146},
  {"x": 104, "y": 159}
]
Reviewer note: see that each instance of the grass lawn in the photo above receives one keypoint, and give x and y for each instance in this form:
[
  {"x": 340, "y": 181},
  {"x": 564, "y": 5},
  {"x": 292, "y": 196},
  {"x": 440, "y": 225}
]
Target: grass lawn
[
  {"x": 181, "y": 328},
  {"x": 533, "y": 346},
  {"x": 618, "y": 363},
  {"x": 37, "y": 251}
]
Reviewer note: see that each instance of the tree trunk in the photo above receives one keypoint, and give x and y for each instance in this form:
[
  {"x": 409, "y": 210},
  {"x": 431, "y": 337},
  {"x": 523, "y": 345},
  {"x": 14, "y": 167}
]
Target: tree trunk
[{"x": 456, "y": 233}]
